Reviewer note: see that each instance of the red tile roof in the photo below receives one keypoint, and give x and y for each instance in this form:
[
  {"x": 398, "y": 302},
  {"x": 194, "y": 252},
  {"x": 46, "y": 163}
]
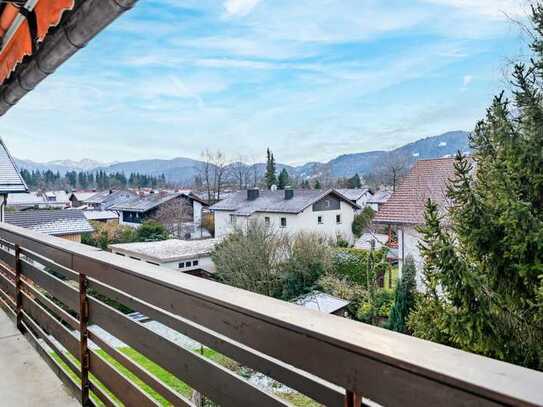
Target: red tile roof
[{"x": 427, "y": 179}]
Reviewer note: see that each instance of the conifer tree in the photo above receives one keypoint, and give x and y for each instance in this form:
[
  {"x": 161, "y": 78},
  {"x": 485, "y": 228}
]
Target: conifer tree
[
  {"x": 404, "y": 297},
  {"x": 317, "y": 184},
  {"x": 270, "y": 177},
  {"x": 484, "y": 261},
  {"x": 283, "y": 180}
]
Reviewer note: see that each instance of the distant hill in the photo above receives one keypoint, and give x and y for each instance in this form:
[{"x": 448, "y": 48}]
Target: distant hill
[{"x": 183, "y": 170}]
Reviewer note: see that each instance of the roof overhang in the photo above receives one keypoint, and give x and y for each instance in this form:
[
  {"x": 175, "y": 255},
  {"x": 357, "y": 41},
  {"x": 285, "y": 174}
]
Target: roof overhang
[{"x": 40, "y": 35}]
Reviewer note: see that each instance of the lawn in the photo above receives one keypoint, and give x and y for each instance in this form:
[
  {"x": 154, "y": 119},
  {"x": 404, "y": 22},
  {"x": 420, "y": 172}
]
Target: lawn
[{"x": 174, "y": 383}]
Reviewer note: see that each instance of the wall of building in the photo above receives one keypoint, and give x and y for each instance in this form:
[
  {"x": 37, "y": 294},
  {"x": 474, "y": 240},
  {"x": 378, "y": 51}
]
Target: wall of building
[
  {"x": 408, "y": 240},
  {"x": 73, "y": 237},
  {"x": 197, "y": 212},
  {"x": 204, "y": 263},
  {"x": 306, "y": 221}
]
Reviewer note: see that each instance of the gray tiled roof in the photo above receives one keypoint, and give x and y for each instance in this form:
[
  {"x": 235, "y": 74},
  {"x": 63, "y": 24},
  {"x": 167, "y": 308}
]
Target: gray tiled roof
[
  {"x": 353, "y": 194},
  {"x": 10, "y": 179},
  {"x": 101, "y": 215},
  {"x": 168, "y": 250},
  {"x": 107, "y": 199},
  {"x": 145, "y": 203},
  {"x": 51, "y": 221},
  {"x": 274, "y": 201},
  {"x": 380, "y": 197}
]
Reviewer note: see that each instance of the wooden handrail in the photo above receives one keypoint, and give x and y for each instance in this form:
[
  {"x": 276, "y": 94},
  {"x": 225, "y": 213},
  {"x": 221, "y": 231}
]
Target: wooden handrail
[{"x": 319, "y": 353}]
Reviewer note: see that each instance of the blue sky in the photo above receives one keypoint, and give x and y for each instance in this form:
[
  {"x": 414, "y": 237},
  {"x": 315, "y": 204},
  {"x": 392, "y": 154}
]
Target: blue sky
[{"x": 312, "y": 79}]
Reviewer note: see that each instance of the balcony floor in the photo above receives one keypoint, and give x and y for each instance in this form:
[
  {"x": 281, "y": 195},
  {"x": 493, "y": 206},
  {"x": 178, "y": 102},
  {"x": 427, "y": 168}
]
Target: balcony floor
[{"x": 25, "y": 378}]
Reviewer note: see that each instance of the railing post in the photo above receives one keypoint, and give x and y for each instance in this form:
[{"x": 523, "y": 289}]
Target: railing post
[
  {"x": 83, "y": 337},
  {"x": 352, "y": 399},
  {"x": 18, "y": 292}
]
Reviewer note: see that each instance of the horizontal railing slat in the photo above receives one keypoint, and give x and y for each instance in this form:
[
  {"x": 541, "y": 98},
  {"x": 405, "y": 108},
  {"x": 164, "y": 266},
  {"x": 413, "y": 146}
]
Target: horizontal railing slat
[
  {"x": 206, "y": 376},
  {"x": 304, "y": 382},
  {"x": 101, "y": 395},
  {"x": 49, "y": 324},
  {"x": 161, "y": 388},
  {"x": 7, "y": 257},
  {"x": 41, "y": 334},
  {"x": 54, "y": 286},
  {"x": 52, "y": 306},
  {"x": 7, "y": 285},
  {"x": 118, "y": 384},
  {"x": 362, "y": 358},
  {"x": 75, "y": 389}
]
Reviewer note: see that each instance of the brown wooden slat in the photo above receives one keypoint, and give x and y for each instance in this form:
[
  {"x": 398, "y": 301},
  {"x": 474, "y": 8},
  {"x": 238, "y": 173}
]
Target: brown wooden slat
[
  {"x": 7, "y": 257},
  {"x": 163, "y": 389},
  {"x": 58, "y": 268},
  {"x": 102, "y": 396},
  {"x": 57, "y": 369},
  {"x": 41, "y": 334},
  {"x": 49, "y": 324},
  {"x": 365, "y": 359},
  {"x": 55, "y": 287},
  {"x": 310, "y": 385},
  {"x": 7, "y": 286},
  {"x": 7, "y": 302},
  {"x": 54, "y": 308},
  {"x": 118, "y": 384},
  {"x": 207, "y": 377}
]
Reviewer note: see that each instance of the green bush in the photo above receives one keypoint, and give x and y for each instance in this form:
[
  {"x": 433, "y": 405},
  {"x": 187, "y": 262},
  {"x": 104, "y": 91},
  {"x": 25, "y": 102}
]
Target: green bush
[
  {"x": 372, "y": 312},
  {"x": 362, "y": 221}
]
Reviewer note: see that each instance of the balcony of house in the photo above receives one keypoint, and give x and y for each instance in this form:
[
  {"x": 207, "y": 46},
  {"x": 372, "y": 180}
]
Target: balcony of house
[{"x": 87, "y": 313}]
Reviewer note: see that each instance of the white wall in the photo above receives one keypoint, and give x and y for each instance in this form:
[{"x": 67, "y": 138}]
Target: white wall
[
  {"x": 306, "y": 221},
  {"x": 204, "y": 263},
  {"x": 197, "y": 212},
  {"x": 408, "y": 239}
]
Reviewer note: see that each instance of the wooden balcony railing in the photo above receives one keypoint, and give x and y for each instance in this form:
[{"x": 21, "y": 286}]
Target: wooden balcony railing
[{"x": 49, "y": 285}]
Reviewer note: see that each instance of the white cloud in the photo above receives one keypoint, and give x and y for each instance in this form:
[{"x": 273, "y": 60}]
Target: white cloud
[
  {"x": 239, "y": 7},
  {"x": 467, "y": 80}
]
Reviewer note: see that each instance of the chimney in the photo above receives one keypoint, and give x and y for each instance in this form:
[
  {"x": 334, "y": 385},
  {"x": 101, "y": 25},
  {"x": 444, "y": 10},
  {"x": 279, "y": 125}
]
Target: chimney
[
  {"x": 252, "y": 194},
  {"x": 289, "y": 193}
]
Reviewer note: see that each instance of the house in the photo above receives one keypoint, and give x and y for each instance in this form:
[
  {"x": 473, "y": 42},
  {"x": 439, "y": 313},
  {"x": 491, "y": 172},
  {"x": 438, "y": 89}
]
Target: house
[
  {"x": 57, "y": 199},
  {"x": 378, "y": 199},
  {"x": 136, "y": 210},
  {"x": 79, "y": 198},
  {"x": 326, "y": 212},
  {"x": 428, "y": 179},
  {"x": 11, "y": 181},
  {"x": 68, "y": 224},
  {"x": 102, "y": 216},
  {"x": 323, "y": 302},
  {"x": 26, "y": 200},
  {"x": 187, "y": 256},
  {"x": 104, "y": 200},
  {"x": 359, "y": 196}
]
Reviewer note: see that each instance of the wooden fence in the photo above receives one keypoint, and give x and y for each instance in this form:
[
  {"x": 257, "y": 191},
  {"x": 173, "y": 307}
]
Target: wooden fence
[{"x": 51, "y": 285}]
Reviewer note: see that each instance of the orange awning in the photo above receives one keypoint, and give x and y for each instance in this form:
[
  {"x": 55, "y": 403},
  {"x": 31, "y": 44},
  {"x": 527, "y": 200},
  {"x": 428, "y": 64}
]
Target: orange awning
[{"x": 48, "y": 14}]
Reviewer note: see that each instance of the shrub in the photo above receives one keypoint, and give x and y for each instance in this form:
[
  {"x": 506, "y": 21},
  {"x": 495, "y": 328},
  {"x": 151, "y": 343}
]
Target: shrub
[
  {"x": 376, "y": 310},
  {"x": 404, "y": 297},
  {"x": 150, "y": 231},
  {"x": 362, "y": 221}
]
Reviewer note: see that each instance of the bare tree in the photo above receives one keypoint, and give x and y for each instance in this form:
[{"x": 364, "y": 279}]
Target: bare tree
[
  {"x": 391, "y": 171},
  {"x": 176, "y": 216},
  {"x": 213, "y": 173},
  {"x": 240, "y": 172}
]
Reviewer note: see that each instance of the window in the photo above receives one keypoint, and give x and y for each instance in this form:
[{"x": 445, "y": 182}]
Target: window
[
  {"x": 283, "y": 222},
  {"x": 233, "y": 219},
  {"x": 135, "y": 258},
  {"x": 120, "y": 254},
  {"x": 338, "y": 219},
  {"x": 319, "y": 220},
  {"x": 154, "y": 264},
  {"x": 181, "y": 265},
  {"x": 267, "y": 220},
  {"x": 194, "y": 263}
]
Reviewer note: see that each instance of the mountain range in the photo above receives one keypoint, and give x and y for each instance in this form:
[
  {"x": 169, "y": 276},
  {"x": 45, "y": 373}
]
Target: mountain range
[{"x": 183, "y": 170}]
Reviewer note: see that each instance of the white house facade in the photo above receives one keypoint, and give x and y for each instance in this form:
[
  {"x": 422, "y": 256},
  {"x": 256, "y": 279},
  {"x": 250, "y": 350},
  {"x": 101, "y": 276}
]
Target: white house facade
[{"x": 327, "y": 213}]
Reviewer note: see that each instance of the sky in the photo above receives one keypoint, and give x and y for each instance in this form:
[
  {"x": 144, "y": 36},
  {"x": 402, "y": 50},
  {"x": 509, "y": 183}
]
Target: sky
[{"x": 311, "y": 79}]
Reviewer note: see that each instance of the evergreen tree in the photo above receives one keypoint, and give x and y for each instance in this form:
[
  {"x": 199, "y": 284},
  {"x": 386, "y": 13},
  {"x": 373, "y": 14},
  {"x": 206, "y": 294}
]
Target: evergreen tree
[
  {"x": 354, "y": 182},
  {"x": 270, "y": 176},
  {"x": 317, "y": 184},
  {"x": 404, "y": 297},
  {"x": 484, "y": 263},
  {"x": 283, "y": 180}
]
